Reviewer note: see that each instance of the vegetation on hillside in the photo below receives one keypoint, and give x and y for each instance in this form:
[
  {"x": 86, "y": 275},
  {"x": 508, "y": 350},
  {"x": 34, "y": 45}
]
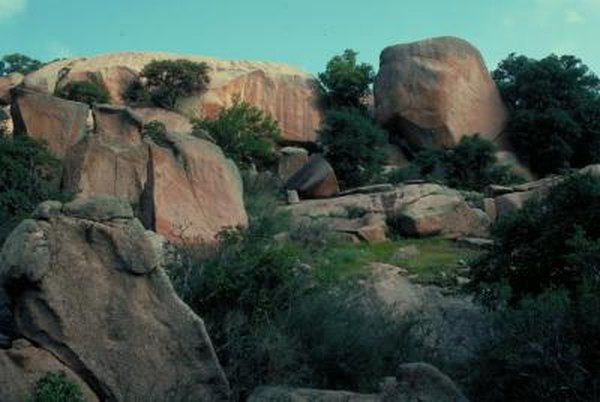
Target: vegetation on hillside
[
  {"x": 164, "y": 82},
  {"x": 245, "y": 134},
  {"x": 18, "y": 63},
  {"x": 554, "y": 106},
  {"x": 470, "y": 165},
  {"x": 30, "y": 174},
  {"x": 89, "y": 92},
  {"x": 55, "y": 387}
]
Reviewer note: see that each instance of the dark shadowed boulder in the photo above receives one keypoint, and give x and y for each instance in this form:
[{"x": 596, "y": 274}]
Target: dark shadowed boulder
[{"x": 316, "y": 179}]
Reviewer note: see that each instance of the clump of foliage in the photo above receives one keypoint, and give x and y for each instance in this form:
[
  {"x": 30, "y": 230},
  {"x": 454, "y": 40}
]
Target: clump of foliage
[
  {"x": 534, "y": 246},
  {"x": 30, "y": 174},
  {"x": 157, "y": 132},
  {"x": 56, "y": 387},
  {"x": 166, "y": 81},
  {"x": 346, "y": 83},
  {"x": 554, "y": 108},
  {"x": 84, "y": 91},
  {"x": 471, "y": 165},
  {"x": 354, "y": 146},
  {"x": 270, "y": 319},
  {"x": 18, "y": 63},
  {"x": 245, "y": 134}
]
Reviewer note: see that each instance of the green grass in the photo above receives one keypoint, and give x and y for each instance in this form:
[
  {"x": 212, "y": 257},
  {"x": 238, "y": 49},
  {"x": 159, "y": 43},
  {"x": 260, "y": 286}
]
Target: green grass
[{"x": 438, "y": 260}]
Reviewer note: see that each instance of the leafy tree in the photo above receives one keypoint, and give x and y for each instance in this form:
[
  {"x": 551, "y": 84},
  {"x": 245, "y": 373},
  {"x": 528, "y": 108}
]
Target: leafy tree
[
  {"x": 18, "y": 63},
  {"x": 470, "y": 165},
  {"x": 169, "y": 80},
  {"x": 29, "y": 175},
  {"x": 56, "y": 387},
  {"x": 555, "y": 110},
  {"x": 84, "y": 91},
  {"x": 245, "y": 134},
  {"x": 353, "y": 145},
  {"x": 346, "y": 83}
]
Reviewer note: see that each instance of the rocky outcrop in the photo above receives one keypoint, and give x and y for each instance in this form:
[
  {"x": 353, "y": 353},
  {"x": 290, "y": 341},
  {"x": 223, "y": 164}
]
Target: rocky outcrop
[
  {"x": 119, "y": 123},
  {"x": 61, "y": 123},
  {"x": 284, "y": 92},
  {"x": 291, "y": 160},
  {"x": 316, "y": 179},
  {"x": 434, "y": 91},
  {"x": 414, "y": 209},
  {"x": 193, "y": 191},
  {"x": 174, "y": 122},
  {"x": 86, "y": 285},
  {"x": 7, "y": 83}
]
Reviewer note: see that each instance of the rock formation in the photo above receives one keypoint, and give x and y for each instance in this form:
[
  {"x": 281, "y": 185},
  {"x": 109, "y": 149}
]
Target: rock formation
[
  {"x": 86, "y": 286},
  {"x": 7, "y": 83},
  {"x": 284, "y": 92},
  {"x": 435, "y": 91},
  {"x": 316, "y": 179}
]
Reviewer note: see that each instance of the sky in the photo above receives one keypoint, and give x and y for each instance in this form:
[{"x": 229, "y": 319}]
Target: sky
[{"x": 303, "y": 33}]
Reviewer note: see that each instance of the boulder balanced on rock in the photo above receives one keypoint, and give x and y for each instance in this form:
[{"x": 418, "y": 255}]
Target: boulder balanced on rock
[{"x": 85, "y": 285}]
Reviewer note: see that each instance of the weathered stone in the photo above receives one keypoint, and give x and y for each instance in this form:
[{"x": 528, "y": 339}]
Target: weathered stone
[
  {"x": 286, "y": 394},
  {"x": 47, "y": 210},
  {"x": 95, "y": 297},
  {"x": 374, "y": 233},
  {"x": 7, "y": 126},
  {"x": 435, "y": 91},
  {"x": 174, "y": 122},
  {"x": 508, "y": 203},
  {"x": 61, "y": 123},
  {"x": 119, "y": 123},
  {"x": 511, "y": 160},
  {"x": 316, "y": 179},
  {"x": 193, "y": 192},
  {"x": 105, "y": 165},
  {"x": 286, "y": 93},
  {"x": 7, "y": 83},
  {"x": 489, "y": 207},
  {"x": 100, "y": 208},
  {"x": 291, "y": 160},
  {"x": 23, "y": 365}
]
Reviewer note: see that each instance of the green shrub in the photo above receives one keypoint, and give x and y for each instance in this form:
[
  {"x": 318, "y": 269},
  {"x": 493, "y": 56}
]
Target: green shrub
[
  {"x": 18, "y": 63},
  {"x": 354, "y": 146},
  {"x": 157, "y": 132},
  {"x": 169, "y": 80},
  {"x": 30, "y": 174},
  {"x": 346, "y": 83},
  {"x": 245, "y": 134},
  {"x": 89, "y": 92},
  {"x": 534, "y": 247},
  {"x": 555, "y": 111},
  {"x": 56, "y": 387},
  {"x": 470, "y": 165}
]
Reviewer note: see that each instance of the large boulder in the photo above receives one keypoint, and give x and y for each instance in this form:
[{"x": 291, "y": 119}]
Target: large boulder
[
  {"x": 118, "y": 122},
  {"x": 291, "y": 160},
  {"x": 316, "y": 179},
  {"x": 286, "y": 93},
  {"x": 435, "y": 91},
  {"x": 193, "y": 191},
  {"x": 61, "y": 123},
  {"x": 86, "y": 285},
  {"x": 7, "y": 83},
  {"x": 174, "y": 122}
]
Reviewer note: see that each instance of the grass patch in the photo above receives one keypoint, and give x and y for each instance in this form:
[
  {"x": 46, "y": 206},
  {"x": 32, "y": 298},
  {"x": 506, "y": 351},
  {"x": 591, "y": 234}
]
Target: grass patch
[{"x": 436, "y": 260}]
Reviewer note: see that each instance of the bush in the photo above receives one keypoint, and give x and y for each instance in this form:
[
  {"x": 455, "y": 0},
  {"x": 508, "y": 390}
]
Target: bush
[
  {"x": 346, "y": 83},
  {"x": 56, "y": 387},
  {"x": 245, "y": 134},
  {"x": 30, "y": 174},
  {"x": 534, "y": 248},
  {"x": 555, "y": 111},
  {"x": 471, "y": 165},
  {"x": 168, "y": 81},
  {"x": 18, "y": 63},
  {"x": 84, "y": 91},
  {"x": 353, "y": 145}
]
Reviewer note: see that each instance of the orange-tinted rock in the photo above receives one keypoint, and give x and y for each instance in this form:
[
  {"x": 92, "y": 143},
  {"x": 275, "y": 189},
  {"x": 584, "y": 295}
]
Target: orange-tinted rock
[
  {"x": 6, "y": 84},
  {"x": 435, "y": 91},
  {"x": 286, "y": 93},
  {"x": 98, "y": 165},
  {"x": 194, "y": 196},
  {"x": 61, "y": 123},
  {"x": 316, "y": 179},
  {"x": 119, "y": 123},
  {"x": 174, "y": 122}
]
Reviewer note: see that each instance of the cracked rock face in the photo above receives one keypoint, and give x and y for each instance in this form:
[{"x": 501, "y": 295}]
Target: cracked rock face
[{"x": 83, "y": 282}]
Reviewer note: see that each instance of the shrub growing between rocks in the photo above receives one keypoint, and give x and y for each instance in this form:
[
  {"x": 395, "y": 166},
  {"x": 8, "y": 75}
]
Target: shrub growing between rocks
[
  {"x": 89, "y": 92},
  {"x": 55, "y": 387}
]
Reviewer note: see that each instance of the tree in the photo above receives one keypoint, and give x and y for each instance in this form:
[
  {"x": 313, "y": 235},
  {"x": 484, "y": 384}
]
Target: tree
[
  {"x": 18, "y": 63},
  {"x": 245, "y": 134},
  {"x": 353, "y": 145},
  {"x": 169, "y": 80},
  {"x": 346, "y": 83},
  {"x": 84, "y": 91},
  {"x": 555, "y": 111}
]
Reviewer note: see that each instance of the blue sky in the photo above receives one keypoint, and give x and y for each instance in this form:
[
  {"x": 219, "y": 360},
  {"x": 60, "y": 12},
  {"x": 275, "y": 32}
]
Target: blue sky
[{"x": 304, "y": 33}]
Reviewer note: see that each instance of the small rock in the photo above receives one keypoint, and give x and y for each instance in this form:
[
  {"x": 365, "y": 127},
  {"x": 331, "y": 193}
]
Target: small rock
[
  {"x": 406, "y": 252},
  {"x": 99, "y": 208},
  {"x": 47, "y": 210},
  {"x": 462, "y": 281},
  {"x": 475, "y": 242},
  {"x": 292, "y": 197}
]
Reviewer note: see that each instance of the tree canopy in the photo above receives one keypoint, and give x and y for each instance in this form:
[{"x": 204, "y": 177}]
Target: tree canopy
[{"x": 18, "y": 63}]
